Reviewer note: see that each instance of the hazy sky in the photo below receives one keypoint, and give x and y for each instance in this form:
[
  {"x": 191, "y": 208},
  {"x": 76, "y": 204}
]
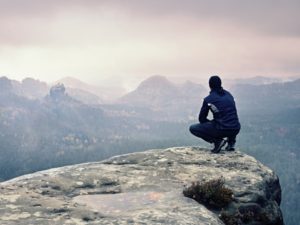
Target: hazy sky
[{"x": 125, "y": 41}]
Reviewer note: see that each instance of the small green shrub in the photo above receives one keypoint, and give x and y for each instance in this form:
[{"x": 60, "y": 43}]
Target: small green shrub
[{"x": 212, "y": 194}]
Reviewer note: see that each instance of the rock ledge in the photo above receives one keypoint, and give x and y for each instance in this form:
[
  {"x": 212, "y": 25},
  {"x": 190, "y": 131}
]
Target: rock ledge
[{"x": 140, "y": 188}]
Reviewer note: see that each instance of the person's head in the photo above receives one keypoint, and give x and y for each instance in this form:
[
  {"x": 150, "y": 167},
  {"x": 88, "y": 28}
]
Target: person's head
[{"x": 215, "y": 83}]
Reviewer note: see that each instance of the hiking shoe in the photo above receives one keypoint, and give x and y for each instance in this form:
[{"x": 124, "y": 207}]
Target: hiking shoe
[
  {"x": 218, "y": 145},
  {"x": 230, "y": 147}
]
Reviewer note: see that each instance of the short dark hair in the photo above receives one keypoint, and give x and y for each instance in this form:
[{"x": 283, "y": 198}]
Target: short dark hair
[{"x": 215, "y": 82}]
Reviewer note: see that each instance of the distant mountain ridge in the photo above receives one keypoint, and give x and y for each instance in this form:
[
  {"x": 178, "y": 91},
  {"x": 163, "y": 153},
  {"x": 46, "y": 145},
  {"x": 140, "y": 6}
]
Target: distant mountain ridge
[
  {"x": 57, "y": 130},
  {"x": 28, "y": 87},
  {"x": 85, "y": 90},
  {"x": 258, "y": 80},
  {"x": 34, "y": 89},
  {"x": 153, "y": 91},
  {"x": 162, "y": 96},
  {"x": 159, "y": 91},
  {"x": 258, "y": 97}
]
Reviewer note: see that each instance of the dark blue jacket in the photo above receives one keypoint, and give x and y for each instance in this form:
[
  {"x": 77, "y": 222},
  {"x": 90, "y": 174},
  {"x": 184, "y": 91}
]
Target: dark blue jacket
[{"x": 222, "y": 105}]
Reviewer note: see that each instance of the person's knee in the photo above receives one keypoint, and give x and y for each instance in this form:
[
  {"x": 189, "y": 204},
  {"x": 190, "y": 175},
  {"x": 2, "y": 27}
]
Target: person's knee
[
  {"x": 192, "y": 129},
  {"x": 197, "y": 130}
]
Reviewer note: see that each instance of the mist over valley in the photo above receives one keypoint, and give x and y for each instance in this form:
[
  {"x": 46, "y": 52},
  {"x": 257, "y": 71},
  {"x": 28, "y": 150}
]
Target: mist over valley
[{"x": 50, "y": 125}]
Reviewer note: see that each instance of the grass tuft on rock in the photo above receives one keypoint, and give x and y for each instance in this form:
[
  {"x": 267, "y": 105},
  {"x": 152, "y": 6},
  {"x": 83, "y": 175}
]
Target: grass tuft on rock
[{"x": 212, "y": 194}]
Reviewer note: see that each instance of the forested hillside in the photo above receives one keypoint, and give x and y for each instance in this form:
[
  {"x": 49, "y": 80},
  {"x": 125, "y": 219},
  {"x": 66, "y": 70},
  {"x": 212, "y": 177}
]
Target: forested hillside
[{"x": 57, "y": 130}]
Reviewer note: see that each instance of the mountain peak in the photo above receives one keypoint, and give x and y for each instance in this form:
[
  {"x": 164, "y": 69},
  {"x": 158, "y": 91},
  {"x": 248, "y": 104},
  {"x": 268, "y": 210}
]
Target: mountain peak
[
  {"x": 71, "y": 82},
  {"x": 5, "y": 84},
  {"x": 156, "y": 81}
]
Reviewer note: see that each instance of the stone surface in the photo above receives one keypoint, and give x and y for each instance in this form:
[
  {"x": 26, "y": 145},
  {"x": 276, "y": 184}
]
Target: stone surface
[{"x": 140, "y": 188}]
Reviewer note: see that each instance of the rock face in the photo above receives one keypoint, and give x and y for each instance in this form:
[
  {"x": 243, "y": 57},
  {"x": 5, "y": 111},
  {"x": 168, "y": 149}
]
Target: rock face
[
  {"x": 141, "y": 188},
  {"x": 58, "y": 91}
]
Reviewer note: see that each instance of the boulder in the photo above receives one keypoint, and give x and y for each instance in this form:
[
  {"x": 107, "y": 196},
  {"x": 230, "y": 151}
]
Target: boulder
[{"x": 143, "y": 188}]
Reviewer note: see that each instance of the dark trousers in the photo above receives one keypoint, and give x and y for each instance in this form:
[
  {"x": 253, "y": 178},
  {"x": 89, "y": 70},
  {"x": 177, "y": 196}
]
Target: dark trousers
[{"x": 209, "y": 132}]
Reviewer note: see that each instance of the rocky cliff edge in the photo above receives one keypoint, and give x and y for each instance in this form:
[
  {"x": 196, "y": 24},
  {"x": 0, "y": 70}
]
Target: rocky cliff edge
[{"x": 142, "y": 188}]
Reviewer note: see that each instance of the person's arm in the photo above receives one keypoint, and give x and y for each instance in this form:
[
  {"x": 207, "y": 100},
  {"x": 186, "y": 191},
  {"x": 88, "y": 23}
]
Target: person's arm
[{"x": 203, "y": 113}]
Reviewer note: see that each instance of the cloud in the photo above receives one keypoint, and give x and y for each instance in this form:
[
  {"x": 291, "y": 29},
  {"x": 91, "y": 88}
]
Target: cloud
[
  {"x": 143, "y": 37},
  {"x": 35, "y": 21},
  {"x": 277, "y": 17}
]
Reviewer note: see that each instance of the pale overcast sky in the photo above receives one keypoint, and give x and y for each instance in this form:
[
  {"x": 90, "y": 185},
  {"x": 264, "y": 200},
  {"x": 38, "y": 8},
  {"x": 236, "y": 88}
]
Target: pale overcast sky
[{"x": 122, "y": 42}]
